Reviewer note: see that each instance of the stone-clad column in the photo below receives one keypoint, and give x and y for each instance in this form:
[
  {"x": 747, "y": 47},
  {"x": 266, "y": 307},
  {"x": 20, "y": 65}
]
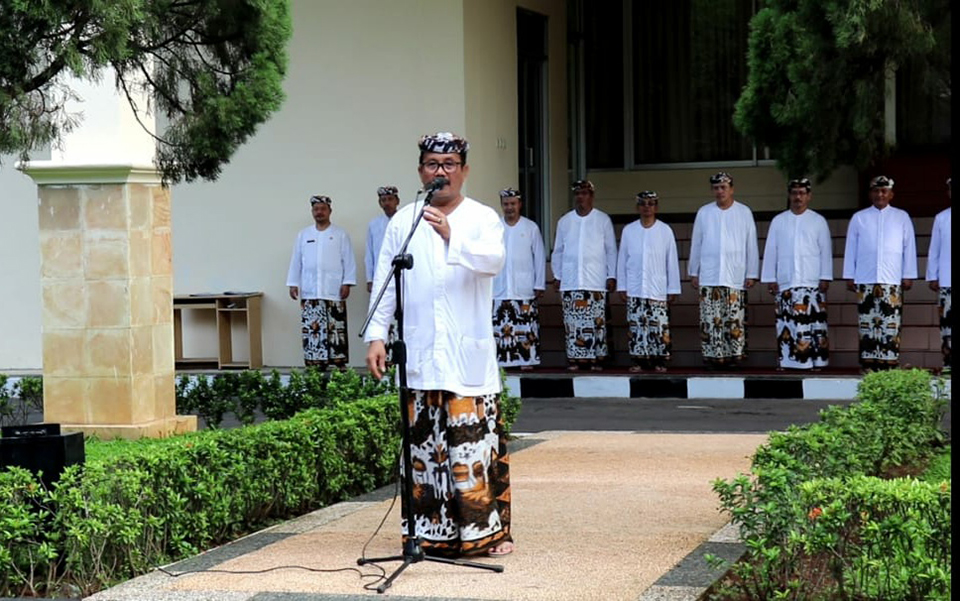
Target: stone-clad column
[{"x": 107, "y": 286}]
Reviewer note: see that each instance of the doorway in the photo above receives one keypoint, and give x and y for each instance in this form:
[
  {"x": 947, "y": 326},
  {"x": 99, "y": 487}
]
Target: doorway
[{"x": 533, "y": 165}]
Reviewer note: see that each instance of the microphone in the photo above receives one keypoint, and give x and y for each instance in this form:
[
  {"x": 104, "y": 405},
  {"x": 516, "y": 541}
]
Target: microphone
[{"x": 436, "y": 184}]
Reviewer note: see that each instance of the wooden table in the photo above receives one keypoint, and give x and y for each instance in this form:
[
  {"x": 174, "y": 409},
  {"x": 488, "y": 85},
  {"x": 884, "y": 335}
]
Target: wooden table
[{"x": 227, "y": 306}]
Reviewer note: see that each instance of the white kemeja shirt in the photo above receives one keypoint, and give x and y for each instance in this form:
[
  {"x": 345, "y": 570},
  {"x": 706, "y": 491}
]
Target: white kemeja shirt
[
  {"x": 585, "y": 251},
  {"x": 321, "y": 262},
  {"x": 723, "y": 248},
  {"x": 938, "y": 259},
  {"x": 525, "y": 267},
  {"x": 881, "y": 247},
  {"x": 798, "y": 251},
  {"x": 375, "y": 233},
  {"x": 447, "y": 297},
  {"x": 647, "y": 266}
]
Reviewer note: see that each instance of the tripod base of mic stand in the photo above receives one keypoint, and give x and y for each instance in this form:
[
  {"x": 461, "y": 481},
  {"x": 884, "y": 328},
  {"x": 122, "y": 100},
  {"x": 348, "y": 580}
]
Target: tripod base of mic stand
[{"x": 413, "y": 553}]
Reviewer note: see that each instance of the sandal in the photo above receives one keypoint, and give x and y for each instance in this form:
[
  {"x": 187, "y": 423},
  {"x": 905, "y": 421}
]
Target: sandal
[
  {"x": 660, "y": 369},
  {"x": 635, "y": 369},
  {"x": 573, "y": 368},
  {"x": 596, "y": 368},
  {"x": 504, "y": 548}
]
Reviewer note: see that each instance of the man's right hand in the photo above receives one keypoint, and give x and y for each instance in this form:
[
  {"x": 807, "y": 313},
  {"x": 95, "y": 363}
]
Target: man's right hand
[
  {"x": 556, "y": 284},
  {"x": 294, "y": 292},
  {"x": 377, "y": 358},
  {"x": 934, "y": 285},
  {"x": 695, "y": 282},
  {"x": 851, "y": 286},
  {"x": 773, "y": 288},
  {"x": 369, "y": 286}
]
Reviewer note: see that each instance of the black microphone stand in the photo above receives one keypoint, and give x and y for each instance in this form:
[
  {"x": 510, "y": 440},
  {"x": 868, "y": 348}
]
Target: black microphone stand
[{"x": 412, "y": 549}]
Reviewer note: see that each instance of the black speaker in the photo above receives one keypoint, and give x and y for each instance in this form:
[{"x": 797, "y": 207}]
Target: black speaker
[{"x": 41, "y": 448}]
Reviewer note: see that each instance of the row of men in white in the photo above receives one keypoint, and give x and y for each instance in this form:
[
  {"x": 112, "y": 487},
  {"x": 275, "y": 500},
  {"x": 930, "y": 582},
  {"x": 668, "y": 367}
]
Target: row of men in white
[{"x": 879, "y": 264}]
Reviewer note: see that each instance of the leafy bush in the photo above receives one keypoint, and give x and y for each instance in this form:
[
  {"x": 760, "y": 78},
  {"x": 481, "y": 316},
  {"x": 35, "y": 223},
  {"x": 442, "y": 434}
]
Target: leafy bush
[
  {"x": 816, "y": 517},
  {"x": 137, "y": 504},
  {"x": 248, "y": 393},
  {"x": 20, "y": 399}
]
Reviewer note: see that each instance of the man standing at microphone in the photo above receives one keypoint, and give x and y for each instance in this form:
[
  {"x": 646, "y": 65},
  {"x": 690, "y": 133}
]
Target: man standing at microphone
[{"x": 461, "y": 485}]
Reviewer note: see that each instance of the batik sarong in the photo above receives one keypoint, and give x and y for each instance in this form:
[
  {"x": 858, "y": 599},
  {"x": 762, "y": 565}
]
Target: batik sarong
[
  {"x": 723, "y": 332},
  {"x": 323, "y": 326},
  {"x": 648, "y": 322},
  {"x": 879, "y": 307},
  {"x": 802, "y": 328},
  {"x": 946, "y": 330},
  {"x": 516, "y": 328},
  {"x": 585, "y": 325},
  {"x": 461, "y": 473}
]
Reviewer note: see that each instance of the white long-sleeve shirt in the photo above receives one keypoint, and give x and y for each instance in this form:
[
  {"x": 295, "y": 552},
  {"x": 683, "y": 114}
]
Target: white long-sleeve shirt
[
  {"x": 881, "y": 247},
  {"x": 585, "y": 251},
  {"x": 375, "y": 233},
  {"x": 446, "y": 298},
  {"x": 647, "y": 265},
  {"x": 322, "y": 261},
  {"x": 938, "y": 259},
  {"x": 798, "y": 251},
  {"x": 525, "y": 267},
  {"x": 723, "y": 249}
]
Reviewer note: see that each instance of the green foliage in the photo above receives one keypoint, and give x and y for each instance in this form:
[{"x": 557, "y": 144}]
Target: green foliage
[
  {"x": 247, "y": 393},
  {"x": 137, "y": 504},
  {"x": 818, "y": 518},
  {"x": 20, "y": 399},
  {"x": 817, "y": 71},
  {"x": 509, "y": 404},
  {"x": 214, "y": 68},
  {"x": 939, "y": 468}
]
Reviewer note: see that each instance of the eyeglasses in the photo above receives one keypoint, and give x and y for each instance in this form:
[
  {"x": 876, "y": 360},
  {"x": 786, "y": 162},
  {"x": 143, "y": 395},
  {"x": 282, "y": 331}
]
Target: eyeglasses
[
  {"x": 646, "y": 203},
  {"x": 433, "y": 166}
]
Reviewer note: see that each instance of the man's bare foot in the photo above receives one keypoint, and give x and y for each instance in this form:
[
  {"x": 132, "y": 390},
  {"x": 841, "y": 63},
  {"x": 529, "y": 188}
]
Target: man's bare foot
[
  {"x": 636, "y": 369},
  {"x": 526, "y": 368},
  {"x": 573, "y": 368},
  {"x": 660, "y": 368},
  {"x": 596, "y": 368},
  {"x": 504, "y": 548}
]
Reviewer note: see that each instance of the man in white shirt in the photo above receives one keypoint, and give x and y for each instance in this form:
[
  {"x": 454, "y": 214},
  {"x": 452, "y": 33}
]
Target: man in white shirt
[
  {"x": 880, "y": 264},
  {"x": 461, "y": 478},
  {"x": 518, "y": 287},
  {"x": 798, "y": 268},
  {"x": 389, "y": 201},
  {"x": 322, "y": 270},
  {"x": 584, "y": 263},
  {"x": 938, "y": 276},
  {"x": 724, "y": 263},
  {"x": 648, "y": 278}
]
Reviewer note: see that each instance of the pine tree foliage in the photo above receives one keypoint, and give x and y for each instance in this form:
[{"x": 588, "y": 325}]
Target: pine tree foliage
[
  {"x": 817, "y": 71},
  {"x": 213, "y": 69}
]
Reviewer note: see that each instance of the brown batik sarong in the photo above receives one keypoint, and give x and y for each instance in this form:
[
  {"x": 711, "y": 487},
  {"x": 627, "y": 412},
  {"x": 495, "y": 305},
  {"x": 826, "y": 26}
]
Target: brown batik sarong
[
  {"x": 723, "y": 331},
  {"x": 648, "y": 321},
  {"x": 585, "y": 325},
  {"x": 323, "y": 327},
  {"x": 879, "y": 307},
  {"x": 946, "y": 329},
  {"x": 461, "y": 473},
  {"x": 516, "y": 328},
  {"x": 802, "y": 328}
]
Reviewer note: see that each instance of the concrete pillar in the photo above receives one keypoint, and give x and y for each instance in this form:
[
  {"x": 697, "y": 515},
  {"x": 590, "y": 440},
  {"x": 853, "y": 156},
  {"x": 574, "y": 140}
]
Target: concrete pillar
[{"x": 106, "y": 279}]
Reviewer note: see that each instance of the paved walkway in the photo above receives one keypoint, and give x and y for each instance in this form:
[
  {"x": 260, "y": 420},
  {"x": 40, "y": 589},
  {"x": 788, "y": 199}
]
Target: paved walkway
[{"x": 597, "y": 515}]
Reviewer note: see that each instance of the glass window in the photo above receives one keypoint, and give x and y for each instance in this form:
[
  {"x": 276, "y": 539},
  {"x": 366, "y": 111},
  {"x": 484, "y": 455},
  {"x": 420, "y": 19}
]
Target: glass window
[
  {"x": 689, "y": 67},
  {"x": 603, "y": 84}
]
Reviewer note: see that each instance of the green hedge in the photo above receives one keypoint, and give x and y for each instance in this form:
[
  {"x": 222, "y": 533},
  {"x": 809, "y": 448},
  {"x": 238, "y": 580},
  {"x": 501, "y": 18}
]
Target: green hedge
[
  {"x": 135, "y": 505},
  {"x": 821, "y": 517}
]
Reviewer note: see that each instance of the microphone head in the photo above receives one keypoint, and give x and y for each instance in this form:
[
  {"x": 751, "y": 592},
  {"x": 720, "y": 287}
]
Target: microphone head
[{"x": 437, "y": 183}]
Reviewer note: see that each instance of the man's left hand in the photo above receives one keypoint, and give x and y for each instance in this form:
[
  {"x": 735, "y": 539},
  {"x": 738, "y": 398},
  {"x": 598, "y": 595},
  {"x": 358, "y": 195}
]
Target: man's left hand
[
  {"x": 611, "y": 284},
  {"x": 749, "y": 283},
  {"x": 344, "y": 292},
  {"x": 907, "y": 284},
  {"x": 824, "y": 285},
  {"x": 438, "y": 221},
  {"x": 538, "y": 294}
]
